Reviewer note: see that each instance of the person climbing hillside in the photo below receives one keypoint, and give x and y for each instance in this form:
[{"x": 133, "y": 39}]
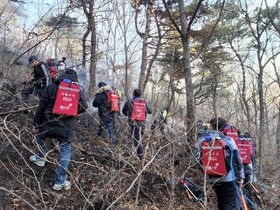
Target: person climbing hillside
[
  {"x": 105, "y": 113},
  {"x": 41, "y": 78},
  {"x": 136, "y": 111},
  {"x": 52, "y": 67},
  {"x": 248, "y": 169},
  {"x": 221, "y": 178},
  {"x": 161, "y": 120},
  {"x": 48, "y": 124}
]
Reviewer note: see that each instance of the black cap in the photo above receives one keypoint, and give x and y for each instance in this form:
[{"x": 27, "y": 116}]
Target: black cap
[
  {"x": 32, "y": 58},
  {"x": 101, "y": 84}
]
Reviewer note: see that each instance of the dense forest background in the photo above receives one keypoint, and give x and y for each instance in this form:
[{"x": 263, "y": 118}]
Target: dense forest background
[{"x": 203, "y": 59}]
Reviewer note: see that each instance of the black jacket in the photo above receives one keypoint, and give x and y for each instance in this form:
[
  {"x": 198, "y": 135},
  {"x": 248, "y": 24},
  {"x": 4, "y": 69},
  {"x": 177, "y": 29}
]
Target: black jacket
[
  {"x": 54, "y": 125},
  {"x": 104, "y": 109},
  {"x": 41, "y": 75}
]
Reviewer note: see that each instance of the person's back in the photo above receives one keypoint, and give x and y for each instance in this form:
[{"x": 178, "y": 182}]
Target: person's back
[
  {"x": 61, "y": 127},
  {"x": 224, "y": 186},
  {"x": 128, "y": 106},
  {"x": 248, "y": 170},
  {"x": 100, "y": 102},
  {"x": 52, "y": 67},
  {"x": 41, "y": 78},
  {"x": 41, "y": 74},
  {"x": 160, "y": 120},
  {"x": 116, "y": 90},
  {"x": 46, "y": 106},
  {"x": 163, "y": 114},
  {"x": 137, "y": 118},
  {"x": 230, "y": 144},
  {"x": 104, "y": 111}
]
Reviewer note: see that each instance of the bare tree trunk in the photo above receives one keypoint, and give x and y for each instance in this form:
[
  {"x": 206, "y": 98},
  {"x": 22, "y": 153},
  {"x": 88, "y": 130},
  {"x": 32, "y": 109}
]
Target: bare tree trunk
[
  {"x": 261, "y": 104},
  {"x": 126, "y": 61},
  {"x": 145, "y": 69},
  {"x": 156, "y": 52},
  {"x": 188, "y": 76},
  {"x": 84, "y": 41},
  {"x": 92, "y": 69},
  {"x": 88, "y": 10},
  {"x": 144, "y": 37},
  {"x": 276, "y": 24},
  {"x": 247, "y": 110},
  {"x": 56, "y": 45},
  {"x": 278, "y": 132}
]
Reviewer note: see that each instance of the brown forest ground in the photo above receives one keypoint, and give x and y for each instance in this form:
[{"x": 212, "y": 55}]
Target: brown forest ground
[{"x": 100, "y": 179}]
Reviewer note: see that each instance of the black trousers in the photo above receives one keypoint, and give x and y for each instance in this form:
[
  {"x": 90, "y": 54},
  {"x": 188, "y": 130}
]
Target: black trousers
[
  {"x": 31, "y": 90},
  {"x": 248, "y": 190},
  {"x": 226, "y": 195},
  {"x": 137, "y": 131}
]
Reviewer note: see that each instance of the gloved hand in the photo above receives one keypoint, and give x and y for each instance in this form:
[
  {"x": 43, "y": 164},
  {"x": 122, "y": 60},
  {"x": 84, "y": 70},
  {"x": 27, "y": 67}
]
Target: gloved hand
[{"x": 24, "y": 83}]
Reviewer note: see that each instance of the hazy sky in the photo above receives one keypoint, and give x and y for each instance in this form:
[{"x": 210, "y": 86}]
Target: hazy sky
[{"x": 36, "y": 9}]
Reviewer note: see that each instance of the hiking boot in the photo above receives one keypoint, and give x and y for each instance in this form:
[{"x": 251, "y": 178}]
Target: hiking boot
[
  {"x": 65, "y": 185},
  {"x": 24, "y": 110},
  {"x": 27, "y": 111},
  {"x": 38, "y": 161}
]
